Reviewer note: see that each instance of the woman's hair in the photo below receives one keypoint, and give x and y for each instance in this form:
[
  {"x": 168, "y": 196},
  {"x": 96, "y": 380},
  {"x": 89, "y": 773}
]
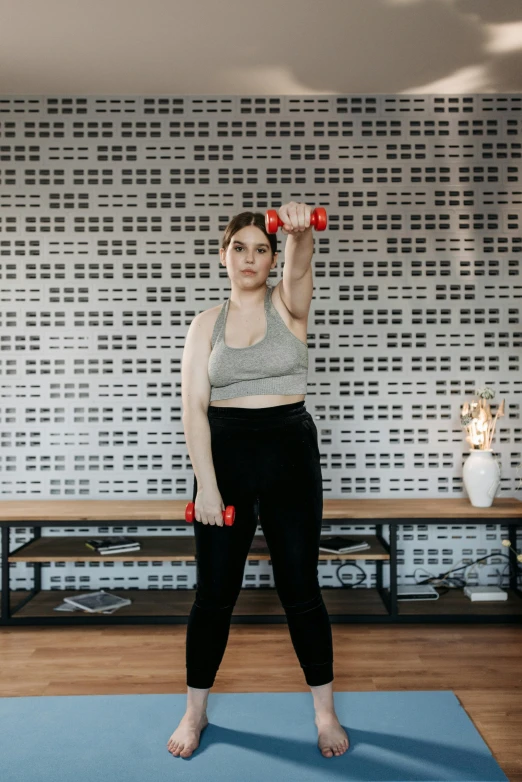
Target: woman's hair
[{"x": 248, "y": 218}]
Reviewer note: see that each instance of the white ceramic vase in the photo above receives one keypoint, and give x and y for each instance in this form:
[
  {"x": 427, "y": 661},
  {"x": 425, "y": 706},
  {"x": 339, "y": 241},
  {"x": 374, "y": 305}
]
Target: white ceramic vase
[{"x": 481, "y": 476}]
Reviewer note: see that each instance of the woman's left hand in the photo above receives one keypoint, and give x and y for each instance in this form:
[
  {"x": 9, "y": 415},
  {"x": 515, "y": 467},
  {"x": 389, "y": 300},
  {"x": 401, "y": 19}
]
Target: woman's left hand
[{"x": 296, "y": 218}]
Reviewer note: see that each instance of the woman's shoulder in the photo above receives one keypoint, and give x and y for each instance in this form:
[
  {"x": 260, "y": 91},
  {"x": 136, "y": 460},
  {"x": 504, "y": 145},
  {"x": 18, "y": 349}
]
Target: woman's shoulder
[{"x": 209, "y": 318}]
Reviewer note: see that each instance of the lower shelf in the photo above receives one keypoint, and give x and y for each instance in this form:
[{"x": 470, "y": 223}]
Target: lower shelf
[
  {"x": 264, "y": 604},
  {"x": 455, "y": 602},
  {"x": 172, "y": 602}
]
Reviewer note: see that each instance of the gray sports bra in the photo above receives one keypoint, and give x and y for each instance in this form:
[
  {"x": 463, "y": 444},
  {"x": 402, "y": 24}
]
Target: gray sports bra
[{"x": 277, "y": 364}]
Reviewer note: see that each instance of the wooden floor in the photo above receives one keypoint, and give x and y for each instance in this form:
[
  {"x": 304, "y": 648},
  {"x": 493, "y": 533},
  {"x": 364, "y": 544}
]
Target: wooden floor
[{"x": 481, "y": 664}]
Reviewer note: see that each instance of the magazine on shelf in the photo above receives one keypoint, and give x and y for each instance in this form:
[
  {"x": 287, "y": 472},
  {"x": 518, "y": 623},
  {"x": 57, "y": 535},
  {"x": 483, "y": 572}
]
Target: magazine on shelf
[
  {"x": 105, "y": 552},
  {"x": 336, "y": 544},
  {"x": 113, "y": 545},
  {"x": 96, "y": 602},
  {"x": 68, "y": 608}
]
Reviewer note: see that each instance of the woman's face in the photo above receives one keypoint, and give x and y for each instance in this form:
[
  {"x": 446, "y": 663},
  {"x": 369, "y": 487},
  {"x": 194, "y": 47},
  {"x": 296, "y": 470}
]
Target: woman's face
[{"x": 248, "y": 249}]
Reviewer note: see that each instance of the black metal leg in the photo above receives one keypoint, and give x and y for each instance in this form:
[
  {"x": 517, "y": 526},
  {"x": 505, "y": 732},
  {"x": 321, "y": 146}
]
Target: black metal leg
[
  {"x": 385, "y": 597},
  {"x": 393, "y": 570},
  {"x": 513, "y": 563},
  {"x": 6, "y": 612},
  {"x": 37, "y": 575},
  {"x": 37, "y": 533}
]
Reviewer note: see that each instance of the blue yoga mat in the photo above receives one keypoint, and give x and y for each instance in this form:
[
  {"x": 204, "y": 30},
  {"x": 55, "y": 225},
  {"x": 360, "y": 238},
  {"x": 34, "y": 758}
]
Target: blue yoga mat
[{"x": 251, "y": 737}]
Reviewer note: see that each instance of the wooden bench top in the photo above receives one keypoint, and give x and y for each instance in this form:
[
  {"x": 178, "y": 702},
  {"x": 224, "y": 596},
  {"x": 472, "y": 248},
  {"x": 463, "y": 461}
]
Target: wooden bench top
[{"x": 174, "y": 510}]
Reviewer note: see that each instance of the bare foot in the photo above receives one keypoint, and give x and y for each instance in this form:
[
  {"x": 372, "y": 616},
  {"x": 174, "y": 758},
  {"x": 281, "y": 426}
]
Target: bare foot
[
  {"x": 333, "y": 739},
  {"x": 185, "y": 738}
]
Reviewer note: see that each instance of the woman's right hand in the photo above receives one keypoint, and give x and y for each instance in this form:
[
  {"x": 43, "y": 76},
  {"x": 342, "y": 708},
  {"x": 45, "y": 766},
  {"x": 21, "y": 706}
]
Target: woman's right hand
[{"x": 209, "y": 506}]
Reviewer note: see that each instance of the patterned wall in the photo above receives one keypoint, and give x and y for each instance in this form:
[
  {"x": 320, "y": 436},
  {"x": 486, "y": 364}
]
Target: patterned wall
[{"x": 112, "y": 212}]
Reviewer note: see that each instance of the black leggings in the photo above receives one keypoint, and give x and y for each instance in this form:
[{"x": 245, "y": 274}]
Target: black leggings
[{"x": 269, "y": 456}]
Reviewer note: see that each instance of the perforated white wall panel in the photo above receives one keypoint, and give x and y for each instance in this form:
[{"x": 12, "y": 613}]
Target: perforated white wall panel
[{"x": 112, "y": 213}]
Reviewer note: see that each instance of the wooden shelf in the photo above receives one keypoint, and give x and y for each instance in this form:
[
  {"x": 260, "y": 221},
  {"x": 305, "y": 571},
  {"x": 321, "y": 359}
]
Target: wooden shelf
[
  {"x": 265, "y": 602},
  {"x": 363, "y": 604},
  {"x": 178, "y": 602},
  {"x": 456, "y": 602},
  {"x": 458, "y": 508},
  {"x": 158, "y": 549}
]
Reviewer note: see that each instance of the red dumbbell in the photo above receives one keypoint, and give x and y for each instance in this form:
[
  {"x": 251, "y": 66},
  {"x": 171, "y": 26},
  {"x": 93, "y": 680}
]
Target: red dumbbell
[
  {"x": 228, "y": 514},
  {"x": 318, "y": 219}
]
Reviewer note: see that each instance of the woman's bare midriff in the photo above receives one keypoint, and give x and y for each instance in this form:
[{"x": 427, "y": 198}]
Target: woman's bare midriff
[{"x": 261, "y": 400}]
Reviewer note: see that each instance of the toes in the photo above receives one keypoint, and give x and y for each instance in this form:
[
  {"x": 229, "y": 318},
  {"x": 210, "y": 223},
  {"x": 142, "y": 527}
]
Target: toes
[{"x": 335, "y": 749}]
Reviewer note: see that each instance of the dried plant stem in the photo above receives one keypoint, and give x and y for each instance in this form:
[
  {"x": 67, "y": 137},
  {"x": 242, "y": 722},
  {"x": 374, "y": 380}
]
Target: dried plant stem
[{"x": 493, "y": 429}]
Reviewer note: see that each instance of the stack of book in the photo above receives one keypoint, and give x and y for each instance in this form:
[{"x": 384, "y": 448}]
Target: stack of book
[
  {"x": 337, "y": 544},
  {"x": 119, "y": 544},
  {"x": 94, "y": 603}
]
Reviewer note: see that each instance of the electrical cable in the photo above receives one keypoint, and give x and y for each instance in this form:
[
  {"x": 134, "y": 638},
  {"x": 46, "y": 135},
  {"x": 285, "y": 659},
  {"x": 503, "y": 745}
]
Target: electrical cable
[
  {"x": 442, "y": 580},
  {"x": 447, "y": 583}
]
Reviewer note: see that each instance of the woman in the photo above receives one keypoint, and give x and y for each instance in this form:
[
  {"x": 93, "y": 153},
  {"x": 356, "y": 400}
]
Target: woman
[{"x": 254, "y": 445}]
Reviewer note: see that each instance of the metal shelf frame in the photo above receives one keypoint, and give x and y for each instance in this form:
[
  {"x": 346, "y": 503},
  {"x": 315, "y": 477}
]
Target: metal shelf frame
[{"x": 389, "y": 597}]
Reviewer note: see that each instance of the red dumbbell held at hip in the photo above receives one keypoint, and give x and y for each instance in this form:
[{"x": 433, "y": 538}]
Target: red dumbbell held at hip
[
  {"x": 318, "y": 219},
  {"x": 228, "y": 514}
]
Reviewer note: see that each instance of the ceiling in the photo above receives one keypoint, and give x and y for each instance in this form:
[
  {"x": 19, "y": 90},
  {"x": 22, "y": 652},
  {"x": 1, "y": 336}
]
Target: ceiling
[{"x": 268, "y": 47}]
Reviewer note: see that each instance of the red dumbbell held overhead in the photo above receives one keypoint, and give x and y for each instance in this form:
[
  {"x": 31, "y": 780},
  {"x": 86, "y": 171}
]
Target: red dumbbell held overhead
[
  {"x": 318, "y": 219},
  {"x": 228, "y": 514}
]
